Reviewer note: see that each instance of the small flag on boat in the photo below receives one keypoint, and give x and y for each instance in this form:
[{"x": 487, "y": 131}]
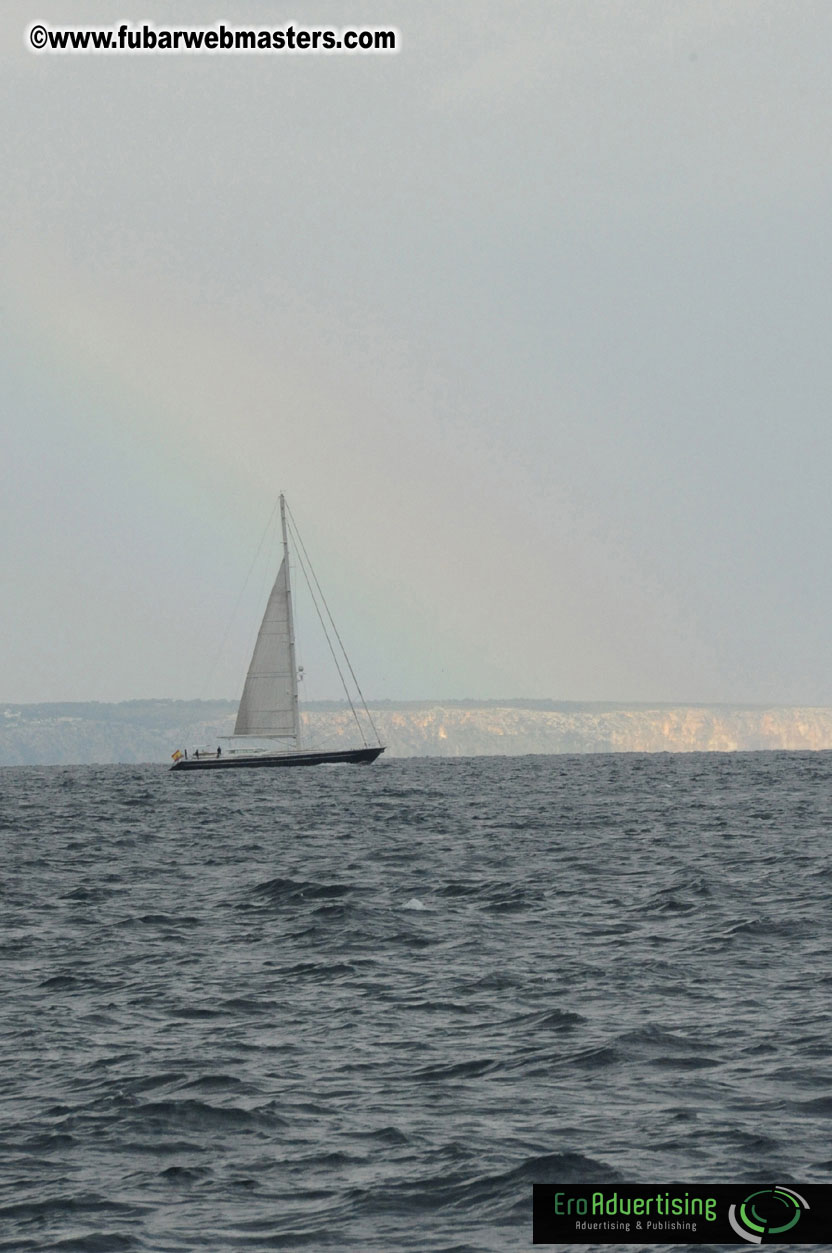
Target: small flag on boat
[{"x": 177, "y": 754}]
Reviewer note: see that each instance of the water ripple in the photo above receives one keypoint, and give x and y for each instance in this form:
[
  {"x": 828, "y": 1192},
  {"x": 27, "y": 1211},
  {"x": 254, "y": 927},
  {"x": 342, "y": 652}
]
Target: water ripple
[{"x": 369, "y": 1009}]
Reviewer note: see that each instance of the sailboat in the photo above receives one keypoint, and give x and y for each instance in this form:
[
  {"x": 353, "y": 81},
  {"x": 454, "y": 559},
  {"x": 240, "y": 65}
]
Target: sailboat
[{"x": 269, "y": 707}]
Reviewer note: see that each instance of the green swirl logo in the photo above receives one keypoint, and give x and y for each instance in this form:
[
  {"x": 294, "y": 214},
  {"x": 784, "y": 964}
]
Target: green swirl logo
[{"x": 770, "y": 1212}]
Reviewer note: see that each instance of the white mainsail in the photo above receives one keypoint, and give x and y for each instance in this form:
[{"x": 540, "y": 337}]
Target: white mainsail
[{"x": 269, "y": 704}]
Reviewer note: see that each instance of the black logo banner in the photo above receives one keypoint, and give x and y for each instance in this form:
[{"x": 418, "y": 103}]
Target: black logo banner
[{"x": 682, "y": 1213}]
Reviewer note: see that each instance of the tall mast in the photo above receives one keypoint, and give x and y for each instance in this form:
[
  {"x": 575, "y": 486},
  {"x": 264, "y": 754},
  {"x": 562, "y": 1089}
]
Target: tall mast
[{"x": 293, "y": 669}]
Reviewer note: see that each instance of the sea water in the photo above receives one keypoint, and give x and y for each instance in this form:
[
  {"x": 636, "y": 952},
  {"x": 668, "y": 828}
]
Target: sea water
[{"x": 366, "y": 1008}]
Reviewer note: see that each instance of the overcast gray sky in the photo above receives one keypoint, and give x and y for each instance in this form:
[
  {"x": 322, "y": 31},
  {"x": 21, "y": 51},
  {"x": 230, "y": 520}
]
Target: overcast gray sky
[{"x": 530, "y": 320}]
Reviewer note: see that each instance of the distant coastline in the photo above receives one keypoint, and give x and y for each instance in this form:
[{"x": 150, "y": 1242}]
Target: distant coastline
[{"x": 80, "y": 733}]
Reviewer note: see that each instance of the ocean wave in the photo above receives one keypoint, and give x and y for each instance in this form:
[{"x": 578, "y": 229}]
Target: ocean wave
[{"x": 219, "y": 1010}]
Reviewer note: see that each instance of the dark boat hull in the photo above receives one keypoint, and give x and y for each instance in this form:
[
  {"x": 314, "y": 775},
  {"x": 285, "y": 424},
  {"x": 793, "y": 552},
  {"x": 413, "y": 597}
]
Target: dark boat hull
[{"x": 353, "y": 756}]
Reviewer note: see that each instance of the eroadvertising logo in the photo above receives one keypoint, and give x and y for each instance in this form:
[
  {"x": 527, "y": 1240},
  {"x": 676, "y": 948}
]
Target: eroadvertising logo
[
  {"x": 769, "y": 1212},
  {"x": 681, "y": 1214}
]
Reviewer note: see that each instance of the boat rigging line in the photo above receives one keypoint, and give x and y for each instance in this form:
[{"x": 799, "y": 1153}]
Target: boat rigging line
[{"x": 304, "y": 561}]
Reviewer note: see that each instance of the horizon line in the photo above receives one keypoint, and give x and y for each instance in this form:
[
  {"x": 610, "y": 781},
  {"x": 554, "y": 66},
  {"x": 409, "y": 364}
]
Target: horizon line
[{"x": 455, "y": 701}]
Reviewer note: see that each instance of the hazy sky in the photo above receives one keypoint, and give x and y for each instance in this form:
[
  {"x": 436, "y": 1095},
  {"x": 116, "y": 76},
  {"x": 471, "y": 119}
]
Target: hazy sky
[{"x": 531, "y": 321}]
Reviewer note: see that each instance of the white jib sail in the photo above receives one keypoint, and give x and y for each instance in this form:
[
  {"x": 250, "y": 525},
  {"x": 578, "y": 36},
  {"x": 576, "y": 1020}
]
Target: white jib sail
[{"x": 269, "y": 704}]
